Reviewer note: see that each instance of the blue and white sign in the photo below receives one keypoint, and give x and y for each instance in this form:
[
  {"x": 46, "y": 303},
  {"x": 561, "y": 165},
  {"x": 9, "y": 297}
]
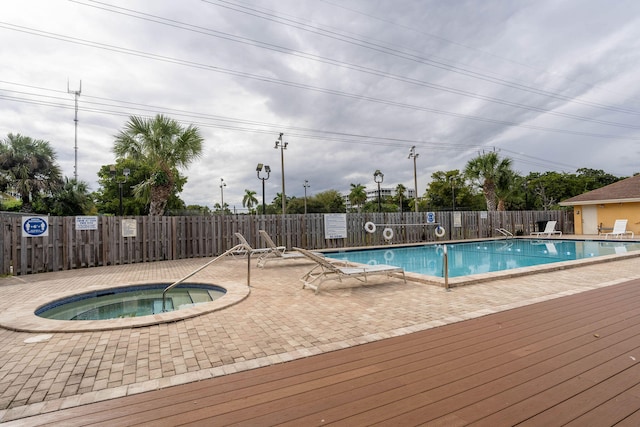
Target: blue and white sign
[
  {"x": 35, "y": 226},
  {"x": 431, "y": 217}
]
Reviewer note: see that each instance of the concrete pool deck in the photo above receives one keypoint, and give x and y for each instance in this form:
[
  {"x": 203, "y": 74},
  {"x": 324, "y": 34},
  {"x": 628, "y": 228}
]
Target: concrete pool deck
[{"x": 278, "y": 321}]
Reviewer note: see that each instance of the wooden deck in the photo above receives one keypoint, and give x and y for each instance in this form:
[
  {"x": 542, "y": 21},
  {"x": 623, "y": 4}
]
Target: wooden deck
[{"x": 568, "y": 361}]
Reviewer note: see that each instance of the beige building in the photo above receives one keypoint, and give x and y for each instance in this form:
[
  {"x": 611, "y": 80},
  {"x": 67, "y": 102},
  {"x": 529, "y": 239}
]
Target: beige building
[{"x": 597, "y": 210}]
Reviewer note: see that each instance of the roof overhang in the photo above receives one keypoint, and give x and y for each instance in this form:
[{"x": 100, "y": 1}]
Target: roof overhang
[{"x": 599, "y": 202}]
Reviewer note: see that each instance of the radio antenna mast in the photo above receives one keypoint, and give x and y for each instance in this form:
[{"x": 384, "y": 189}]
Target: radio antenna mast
[{"x": 76, "y": 94}]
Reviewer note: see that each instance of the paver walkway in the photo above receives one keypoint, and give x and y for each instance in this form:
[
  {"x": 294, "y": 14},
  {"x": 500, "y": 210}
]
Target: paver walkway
[{"x": 277, "y": 322}]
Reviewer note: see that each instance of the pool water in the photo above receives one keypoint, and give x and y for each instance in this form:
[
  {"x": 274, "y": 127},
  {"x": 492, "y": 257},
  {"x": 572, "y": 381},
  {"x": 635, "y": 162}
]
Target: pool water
[
  {"x": 486, "y": 256},
  {"x": 131, "y": 301}
]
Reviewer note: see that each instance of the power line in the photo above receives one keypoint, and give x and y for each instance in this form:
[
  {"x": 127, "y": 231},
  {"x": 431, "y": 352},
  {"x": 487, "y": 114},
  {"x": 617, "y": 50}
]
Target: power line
[
  {"x": 262, "y": 78},
  {"x": 252, "y": 126},
  {"x": 354, "y": 67},
  {"x": 377, "y": 47},
  {"x": 472, "y": 48}
]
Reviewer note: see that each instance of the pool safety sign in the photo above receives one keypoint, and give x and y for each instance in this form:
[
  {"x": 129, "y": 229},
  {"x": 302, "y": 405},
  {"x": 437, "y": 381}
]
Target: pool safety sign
[
  {"x": 86, "y": 223},
  {"x": 457, "y": 219},
  {"x": 431, "y": 217},
  {"x": 335, "y": 226},
  {"x": 129, "y": 228},
  {"x": 35, "y": 226}
]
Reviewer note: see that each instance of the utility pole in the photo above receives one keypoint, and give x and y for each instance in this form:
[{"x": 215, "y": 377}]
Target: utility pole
[
  {"x": 76, "y": 94},
  {"x": 414, "y": 156}
]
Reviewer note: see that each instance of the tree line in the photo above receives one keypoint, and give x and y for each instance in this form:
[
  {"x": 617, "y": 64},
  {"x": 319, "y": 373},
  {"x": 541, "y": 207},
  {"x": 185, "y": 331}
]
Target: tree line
[{"x": 151, "y": 154}]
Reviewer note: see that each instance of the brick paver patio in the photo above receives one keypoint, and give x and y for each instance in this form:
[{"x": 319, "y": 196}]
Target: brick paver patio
[{"x": 277, "y": 321}]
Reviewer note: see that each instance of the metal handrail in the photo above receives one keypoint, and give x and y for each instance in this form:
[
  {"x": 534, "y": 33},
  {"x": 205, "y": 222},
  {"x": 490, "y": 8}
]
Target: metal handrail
[
  {"x": 235, "y": 248},
  {"x": 504, "y": 232},
  {"x": 445, "y": 267}
]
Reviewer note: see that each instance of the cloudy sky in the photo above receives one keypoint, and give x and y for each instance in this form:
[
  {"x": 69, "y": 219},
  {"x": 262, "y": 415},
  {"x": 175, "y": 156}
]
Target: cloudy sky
[{"x": 352, "y": 85}]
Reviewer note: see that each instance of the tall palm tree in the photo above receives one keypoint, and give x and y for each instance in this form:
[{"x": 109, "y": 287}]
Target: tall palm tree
[
  {"x": 28, "y": 167},
  {"x": 249, "y": 200},
  {"x": 164, "y": 145},
  {"x": 488, "y": 171},
  {"x": 505, "y": 188},
  {"x": 358, "y": 195}
]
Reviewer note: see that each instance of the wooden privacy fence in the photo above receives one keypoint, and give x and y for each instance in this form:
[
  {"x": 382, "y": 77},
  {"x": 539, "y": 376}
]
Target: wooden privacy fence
[{"x": 170, "y": 238}]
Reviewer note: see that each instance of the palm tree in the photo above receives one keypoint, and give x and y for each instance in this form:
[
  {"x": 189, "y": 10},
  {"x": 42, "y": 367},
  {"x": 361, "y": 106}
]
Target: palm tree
[
  {"x": 505, "y": 188},
  {"x": 29, "y": 168},
  {"x": 400, "y": 191},
  {"x": 358, "y": 196},
  {"x": 72, "y": 199},
  {"x": 164, "y": 145},
  {"x": 249, "y": 200},
  {"x": 221, "y": 209},
  {"x": 488, "y": 171}
]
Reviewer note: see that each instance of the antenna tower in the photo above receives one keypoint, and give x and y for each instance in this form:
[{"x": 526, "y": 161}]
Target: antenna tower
[{"x": 76, "y": 94}]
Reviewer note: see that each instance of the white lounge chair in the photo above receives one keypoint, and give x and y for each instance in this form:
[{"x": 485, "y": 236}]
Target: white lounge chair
[
  {"x": 250, "y": 251},
  {"x": 549, "y": 229},
  {"x": 275, "y": 252},
  {"x": 325, "y": 270},
  {"x": 619, "y": 229}
]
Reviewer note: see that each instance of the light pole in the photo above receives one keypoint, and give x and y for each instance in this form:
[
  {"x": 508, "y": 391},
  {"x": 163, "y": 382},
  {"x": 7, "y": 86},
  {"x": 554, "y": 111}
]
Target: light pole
[
  {"x": 267, "y": 169},
  {"x": 283, "y": 146},
  {"x": 125, "y": 173},
  {"x": 222, "y": 185},
  {"x": 378, "y": 177},
  {"x": 305, "y": 185},
  {"x": 413, "y": 155}
]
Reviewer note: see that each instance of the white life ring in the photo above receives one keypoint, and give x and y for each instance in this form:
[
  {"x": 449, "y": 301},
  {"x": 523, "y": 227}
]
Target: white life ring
[
  {"x": 440, "y": 231},
  {"x": 387, "y": 233},
  {"x": 370, "y": 227}
]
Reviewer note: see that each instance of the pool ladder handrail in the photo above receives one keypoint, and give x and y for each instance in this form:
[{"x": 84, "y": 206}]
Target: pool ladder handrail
[
  {"x": 241, "y": 246},
  {"x": 506, "y": 233}
]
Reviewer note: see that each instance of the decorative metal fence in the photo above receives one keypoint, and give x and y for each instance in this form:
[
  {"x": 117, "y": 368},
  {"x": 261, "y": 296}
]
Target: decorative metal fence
[{"x": 170, "y": 238}]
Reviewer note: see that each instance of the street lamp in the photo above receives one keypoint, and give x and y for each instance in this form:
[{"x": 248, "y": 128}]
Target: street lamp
[
  {"x": 120, "y": 181},
  {"x": 222, "y": 185},
  {"x": 378, "y": 177},
  {"x": 267, "y": 169},
  {"x": 283, "y": 146},
  {"x": 305, "y": 185},
  {"x": 413, "y": 155}
]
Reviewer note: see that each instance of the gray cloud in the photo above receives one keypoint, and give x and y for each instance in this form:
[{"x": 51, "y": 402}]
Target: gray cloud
[{"x": 353, "y": 85}]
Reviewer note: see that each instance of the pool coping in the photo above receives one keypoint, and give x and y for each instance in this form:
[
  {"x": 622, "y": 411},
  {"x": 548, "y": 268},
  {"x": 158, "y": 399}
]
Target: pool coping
[{"x": 21, "y": 316}]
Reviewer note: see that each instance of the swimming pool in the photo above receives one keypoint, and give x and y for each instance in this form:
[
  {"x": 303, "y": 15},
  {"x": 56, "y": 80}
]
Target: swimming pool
[{"x": 478, "y": 257}]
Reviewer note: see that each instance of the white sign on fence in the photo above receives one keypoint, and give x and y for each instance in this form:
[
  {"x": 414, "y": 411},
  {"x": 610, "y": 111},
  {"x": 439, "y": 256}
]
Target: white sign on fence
[
  {"x": 457, "y": 219},
  {"x": 431, "y": 217},
  {"x": 335, "y": 226},
  {"x": 86, "y": 223},
  {"x": 35, "y": 226},
  {"x": 129, "y": 228}
]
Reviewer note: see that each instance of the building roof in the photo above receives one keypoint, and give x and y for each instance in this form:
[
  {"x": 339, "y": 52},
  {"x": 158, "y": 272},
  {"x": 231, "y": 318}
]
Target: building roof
[{"x": 624, "y": 191}]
